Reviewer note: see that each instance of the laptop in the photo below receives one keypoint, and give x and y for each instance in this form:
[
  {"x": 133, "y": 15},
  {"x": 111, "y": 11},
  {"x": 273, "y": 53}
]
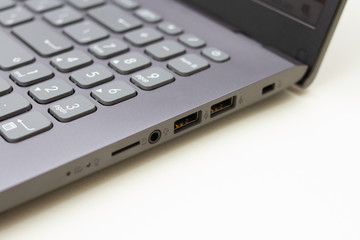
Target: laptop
[{"x": 85, "y": 84}]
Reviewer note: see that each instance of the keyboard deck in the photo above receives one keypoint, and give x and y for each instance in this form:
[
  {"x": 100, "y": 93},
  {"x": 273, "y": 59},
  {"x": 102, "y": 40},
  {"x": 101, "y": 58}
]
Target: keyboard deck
[{"x": 88, "y": 44}]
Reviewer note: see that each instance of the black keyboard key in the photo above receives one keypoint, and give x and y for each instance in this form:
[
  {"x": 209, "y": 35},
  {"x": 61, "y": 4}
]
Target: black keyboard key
[
  {"x": 72, "y": 108},
  {"x": 5, "y": 87},
  {"x": 85, "y": 32},
  {"x": 24, "y": 126},
  {"x": 115, "y": 19},
  {"x": 40, "y": 6},
  {"x": 14, "y": 16},
  {"x": 71, "y": 61},
  {"x": 50, "y": 91},
  {"x": 42, "y": 38},
  {"x": 12, "y": 105},
  {"x": 31, "y": 74},
  {"x": 63, "y": 16},
  {"x": 12, "y": 54}
]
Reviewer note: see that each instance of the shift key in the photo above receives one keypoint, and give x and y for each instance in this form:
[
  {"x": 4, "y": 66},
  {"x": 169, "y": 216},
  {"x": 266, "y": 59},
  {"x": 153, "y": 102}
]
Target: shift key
[{"x": 42, "y": 39}]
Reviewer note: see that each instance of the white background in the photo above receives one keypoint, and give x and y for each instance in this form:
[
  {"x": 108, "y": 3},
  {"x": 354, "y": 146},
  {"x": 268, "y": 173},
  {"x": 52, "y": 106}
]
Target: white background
[{"x": 286, "y": 168}]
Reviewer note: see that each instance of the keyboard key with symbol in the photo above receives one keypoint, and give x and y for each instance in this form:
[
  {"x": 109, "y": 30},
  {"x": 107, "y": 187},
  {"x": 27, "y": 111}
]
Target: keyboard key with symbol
[
  {"x": 50, "y": 91},
  {"x": 85, "y": 32},
  {"x": 70, "y": 61},
  {"x": 72, "y": 108},
  {"x": 113, "y": 93},
  {"x": 63, "y": 16},
  {"x": 127, "y": 4},
  {"x": 41, "y": 6},
  {"x": 14, "y": 16},
  {"x": 115, "y": 19},
  {"x": 192, "y": 41},
  {"x": 12, "y": 105},
  {"x": 129, "y": 63},
  {"x": 42, "y": 38},
  {"x": 108, "y": 48},
  {"x": 12, "y": 55},
  {"x": 31, "y": 74},
  {"x": 165, "y": 50},
  {"x": 148, "y": 15},
  {"x": 188, "y": 64},
  {"x": 24, "y": 126},
  {"x": 85, "y": 4},
  {"x": 143, "y": 36},
  {"x": 5, "y": 87},
  {"x": 215, "y": 54},
  {"x": 91, "y": 76},
  {"x": 152, "y": 78},
  {"x": 170, "y": 28}
]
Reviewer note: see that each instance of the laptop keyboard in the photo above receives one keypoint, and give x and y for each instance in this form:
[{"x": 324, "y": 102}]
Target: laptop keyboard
[{"x": 127, "y": 37}]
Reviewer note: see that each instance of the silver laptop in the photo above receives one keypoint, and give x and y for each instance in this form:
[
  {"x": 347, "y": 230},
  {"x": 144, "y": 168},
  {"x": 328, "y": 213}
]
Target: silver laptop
[{"x": 85, "y": 84}]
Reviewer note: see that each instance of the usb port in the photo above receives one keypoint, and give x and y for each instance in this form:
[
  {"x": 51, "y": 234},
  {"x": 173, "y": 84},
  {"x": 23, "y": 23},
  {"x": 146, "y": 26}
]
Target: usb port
[
  {"x": 186, "y": 122},
  {"x": 268, "y": 88},
  {"x": 222, "y": 106}
]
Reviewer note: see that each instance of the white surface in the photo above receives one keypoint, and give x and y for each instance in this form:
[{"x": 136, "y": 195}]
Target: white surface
[{"x": 287, "y": 168}]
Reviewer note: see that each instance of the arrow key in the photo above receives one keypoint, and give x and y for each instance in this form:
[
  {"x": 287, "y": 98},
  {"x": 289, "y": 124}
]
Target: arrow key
[
  {"x": 129, "y": 63},
  {"x": 70, "y": 61},
  {"x": 113, "y": 92},
  {"x": 50, "y": 91}
]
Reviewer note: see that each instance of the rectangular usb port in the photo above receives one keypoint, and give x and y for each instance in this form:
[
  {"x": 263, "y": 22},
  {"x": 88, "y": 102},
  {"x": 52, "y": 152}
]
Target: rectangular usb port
[
  {"x": 186, "y": 122},
  {"x": 268, "y": 88},
  {"x": 222, "y": 106}
]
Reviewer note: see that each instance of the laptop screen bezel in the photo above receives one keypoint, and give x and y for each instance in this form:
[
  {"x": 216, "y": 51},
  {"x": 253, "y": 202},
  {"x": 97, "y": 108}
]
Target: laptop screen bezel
[{"x": 271, "y": 28}]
